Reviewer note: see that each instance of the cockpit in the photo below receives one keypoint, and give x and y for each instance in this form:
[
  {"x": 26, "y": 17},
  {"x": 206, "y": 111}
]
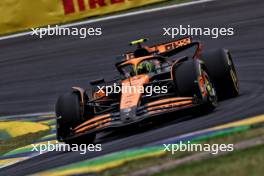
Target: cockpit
[{"x": 144, "y": 65}]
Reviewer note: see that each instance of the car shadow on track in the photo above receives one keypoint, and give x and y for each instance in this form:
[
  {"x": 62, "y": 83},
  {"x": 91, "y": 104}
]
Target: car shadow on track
[{"x": 156, "y": 123}]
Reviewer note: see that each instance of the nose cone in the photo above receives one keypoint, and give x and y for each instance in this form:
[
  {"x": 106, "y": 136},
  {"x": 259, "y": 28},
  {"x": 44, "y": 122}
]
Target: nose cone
[
  {"x": 128, "y": 115},
  {"x": 131, "y": 94}
]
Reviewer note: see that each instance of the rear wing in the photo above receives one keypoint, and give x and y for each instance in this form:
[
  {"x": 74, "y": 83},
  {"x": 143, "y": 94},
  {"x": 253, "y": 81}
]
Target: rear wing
[{"x": 163, "y": 48}]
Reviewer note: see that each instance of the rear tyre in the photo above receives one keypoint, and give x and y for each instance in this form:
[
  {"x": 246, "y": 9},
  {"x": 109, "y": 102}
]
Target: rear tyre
[
  {"x": 222, "y": 70},
  {"x": 68, "y": 112},
  {"x": 191, "y": 80}
]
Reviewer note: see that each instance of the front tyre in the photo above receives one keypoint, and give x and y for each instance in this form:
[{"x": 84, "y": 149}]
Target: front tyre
[
  {"x": 68, "y": 112},
  {"x": 191, "y": 80}
]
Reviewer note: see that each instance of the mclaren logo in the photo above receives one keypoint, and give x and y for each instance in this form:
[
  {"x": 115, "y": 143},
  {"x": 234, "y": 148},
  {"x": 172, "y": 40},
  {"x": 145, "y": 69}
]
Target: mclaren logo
[{"x": 178, "y": 44}]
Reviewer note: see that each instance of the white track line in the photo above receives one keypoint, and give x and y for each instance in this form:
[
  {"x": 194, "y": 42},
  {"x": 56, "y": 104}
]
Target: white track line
[
  {"x": 26, "y": 115},
  {"x": 116, "y": 16}
]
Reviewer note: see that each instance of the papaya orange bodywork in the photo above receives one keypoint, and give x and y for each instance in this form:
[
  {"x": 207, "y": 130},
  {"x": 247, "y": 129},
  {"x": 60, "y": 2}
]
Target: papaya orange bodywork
[
  {"x": 164, "y": 47},
  {"x": 97, "y": 118},
  {"x": 131, "y": 99}
]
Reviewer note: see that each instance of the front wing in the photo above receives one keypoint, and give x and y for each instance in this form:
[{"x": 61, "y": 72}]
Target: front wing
[{"x": 146, "y": 112}]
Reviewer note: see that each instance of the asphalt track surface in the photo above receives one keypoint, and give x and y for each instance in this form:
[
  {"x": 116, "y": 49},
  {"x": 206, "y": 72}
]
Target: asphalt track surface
[{"x": 35, "y": 71}]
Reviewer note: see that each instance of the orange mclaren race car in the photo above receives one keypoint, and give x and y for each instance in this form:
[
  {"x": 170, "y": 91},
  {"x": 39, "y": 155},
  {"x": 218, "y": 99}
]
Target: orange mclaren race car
[{"x": 185, "y": 82}]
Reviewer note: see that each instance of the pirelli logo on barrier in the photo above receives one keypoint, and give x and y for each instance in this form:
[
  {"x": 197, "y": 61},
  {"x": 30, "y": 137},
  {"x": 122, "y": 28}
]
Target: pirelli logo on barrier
[
  {"x": 71, "y": 6},
  {"x": 51, "y": 12}
]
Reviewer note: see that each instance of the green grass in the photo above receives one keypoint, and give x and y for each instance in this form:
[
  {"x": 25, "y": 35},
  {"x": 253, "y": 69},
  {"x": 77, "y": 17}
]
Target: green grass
[
  {"x": 14, "y": 143},
  {"x": 133, "y": 166},
  {"x": 243, "y": 163}
]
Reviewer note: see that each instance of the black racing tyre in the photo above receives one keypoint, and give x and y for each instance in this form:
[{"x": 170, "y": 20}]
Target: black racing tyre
[
  {"x": 185, "y": 76},
  {"x": 222, "y": 70},
  {"x": 68, "y": 112},
  {"x": 186, "y": 80},
  {"x": 68, "y": 107}
]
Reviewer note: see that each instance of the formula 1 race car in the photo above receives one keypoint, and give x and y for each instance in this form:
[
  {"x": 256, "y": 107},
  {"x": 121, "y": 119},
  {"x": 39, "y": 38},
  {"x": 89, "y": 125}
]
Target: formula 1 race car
[{"x": 158, "y": 81}]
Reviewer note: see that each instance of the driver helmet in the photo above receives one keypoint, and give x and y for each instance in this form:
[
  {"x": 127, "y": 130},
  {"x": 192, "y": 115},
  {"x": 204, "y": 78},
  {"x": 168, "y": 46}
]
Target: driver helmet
[{"x": 145, "y": 67}]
